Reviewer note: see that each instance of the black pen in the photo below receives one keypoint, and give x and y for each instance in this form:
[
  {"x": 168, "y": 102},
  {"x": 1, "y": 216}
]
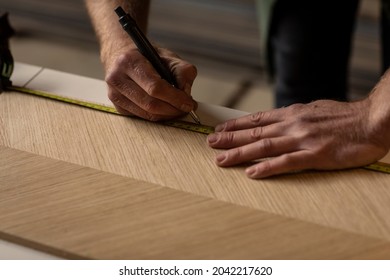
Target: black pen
[{"x": 147, "y": 50}]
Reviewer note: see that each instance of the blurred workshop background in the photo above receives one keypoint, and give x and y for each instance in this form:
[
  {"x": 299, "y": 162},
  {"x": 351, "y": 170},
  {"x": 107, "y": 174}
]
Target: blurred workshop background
[{"x": 221, "y": 37}]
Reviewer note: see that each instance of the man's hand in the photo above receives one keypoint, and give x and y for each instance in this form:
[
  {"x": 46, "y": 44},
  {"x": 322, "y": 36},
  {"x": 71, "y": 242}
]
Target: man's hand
[
  {"x": 135, "y": 88},
  {"x": 322, "y": 135}
]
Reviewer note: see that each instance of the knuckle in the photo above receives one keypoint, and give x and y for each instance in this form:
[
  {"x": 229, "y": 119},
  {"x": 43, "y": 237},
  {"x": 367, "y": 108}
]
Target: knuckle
[
  {"x": 266, "y": 167},
  {"x": 112, "y": 77},
  {"x": 151, "y": 106},
  {"x": 266, "y": 145},
  {"x": 113, "y": 96},
  {"x": 257, "y": 133},
  {"x": 290, "y": 163},
  {"x": 256, "y": 118},
  {"x": 154, "y": 87},
  {"x": 298, "y": 112},
  {"x": 311, "y": 133},
  {"x": 236, "y": 154},
  {"x": 139, "y": 70},
  {"x": 122, "y": 59},
  {"x": 129, "y": 59},
  {"x": 287, "y": 160},
  {"x": 229, "y": 137},
  {"x": 132, "y": 60},
  {"x": 297, "y": 107},
  {"x": 117, "y": 87},
  {"x": 299, "y": 115}
]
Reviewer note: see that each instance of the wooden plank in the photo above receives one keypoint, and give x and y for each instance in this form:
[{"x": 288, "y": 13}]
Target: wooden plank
[
  {"x": 78, "y": 212},
  {"x": 354, "y": 200}
]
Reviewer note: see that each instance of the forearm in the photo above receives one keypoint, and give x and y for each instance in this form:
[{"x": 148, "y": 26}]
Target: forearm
[
  {"x": 380, "y": 110},
  {"x": 109, "y": 32}
]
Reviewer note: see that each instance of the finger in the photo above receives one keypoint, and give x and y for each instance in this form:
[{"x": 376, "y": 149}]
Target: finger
[
  {"x": 268, "y": 147},
  {"x": 251, "y": 120},
  {"x": 185, "y": 72},
  {"x": 232, "y": 139},
  {"x": 122, "y": 111},
  {"x": 143, "y": 73},
  {"x": 126, "y": 107},
  {"x": 291, "y": 162},
  {"x": 122, "y": 86}
]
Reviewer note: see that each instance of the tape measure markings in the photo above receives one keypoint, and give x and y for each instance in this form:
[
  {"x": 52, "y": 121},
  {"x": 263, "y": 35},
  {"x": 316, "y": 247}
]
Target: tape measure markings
[
  {"x": 95, "y": 106},
  {"x": 174, "y": 123},
  {"x": 205, "y": 129},
  {"x": 379, "y": 166}
]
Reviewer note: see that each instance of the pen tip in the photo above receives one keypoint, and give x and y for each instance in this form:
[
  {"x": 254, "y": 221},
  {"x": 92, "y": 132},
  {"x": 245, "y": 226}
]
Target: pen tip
[{"x": 195, "y": 117}]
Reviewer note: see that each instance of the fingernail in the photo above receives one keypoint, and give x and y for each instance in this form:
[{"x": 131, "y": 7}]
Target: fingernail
[
  {"x": 186, "y": 107},
  {"x": 212, "y": 138},
  {"x": 220, "y": 158},
  {"x": 220, "y": 127},
  {"x": 250, "y": 171}
]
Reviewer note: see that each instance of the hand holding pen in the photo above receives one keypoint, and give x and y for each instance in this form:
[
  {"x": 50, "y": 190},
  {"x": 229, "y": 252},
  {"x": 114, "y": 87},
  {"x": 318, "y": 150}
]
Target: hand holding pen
[{"x": 137, "y": 86}]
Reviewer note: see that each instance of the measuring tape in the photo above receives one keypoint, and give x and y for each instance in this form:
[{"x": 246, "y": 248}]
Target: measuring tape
[
  {"x": 378, "y": 166},
  {"x": 64, "y": 99},
  {"x": 205, "y": 129}
]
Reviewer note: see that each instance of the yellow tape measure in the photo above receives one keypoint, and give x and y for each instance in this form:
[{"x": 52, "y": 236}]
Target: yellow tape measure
[
  {"x": 205, "y": 129},
  {"x": 378, "y": 166},
  {"x": 174, "y": 123},
  {"x": 65, "y": 99}
]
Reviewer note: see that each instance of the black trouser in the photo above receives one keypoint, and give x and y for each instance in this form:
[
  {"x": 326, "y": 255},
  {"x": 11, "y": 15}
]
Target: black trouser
[
  {"x": 309, "y": 47},
  {"x": 385, "y": 32}
]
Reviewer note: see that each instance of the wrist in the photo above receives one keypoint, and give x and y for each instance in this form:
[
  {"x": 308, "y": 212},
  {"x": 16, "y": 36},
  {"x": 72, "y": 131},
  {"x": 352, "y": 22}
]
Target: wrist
[{"x": 379, "y": 107}]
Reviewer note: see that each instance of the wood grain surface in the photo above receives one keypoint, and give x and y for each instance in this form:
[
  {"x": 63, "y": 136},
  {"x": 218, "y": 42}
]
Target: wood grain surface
[
  {"x": 78, "y": 212},
  {"x": 355, "y": 200}
]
